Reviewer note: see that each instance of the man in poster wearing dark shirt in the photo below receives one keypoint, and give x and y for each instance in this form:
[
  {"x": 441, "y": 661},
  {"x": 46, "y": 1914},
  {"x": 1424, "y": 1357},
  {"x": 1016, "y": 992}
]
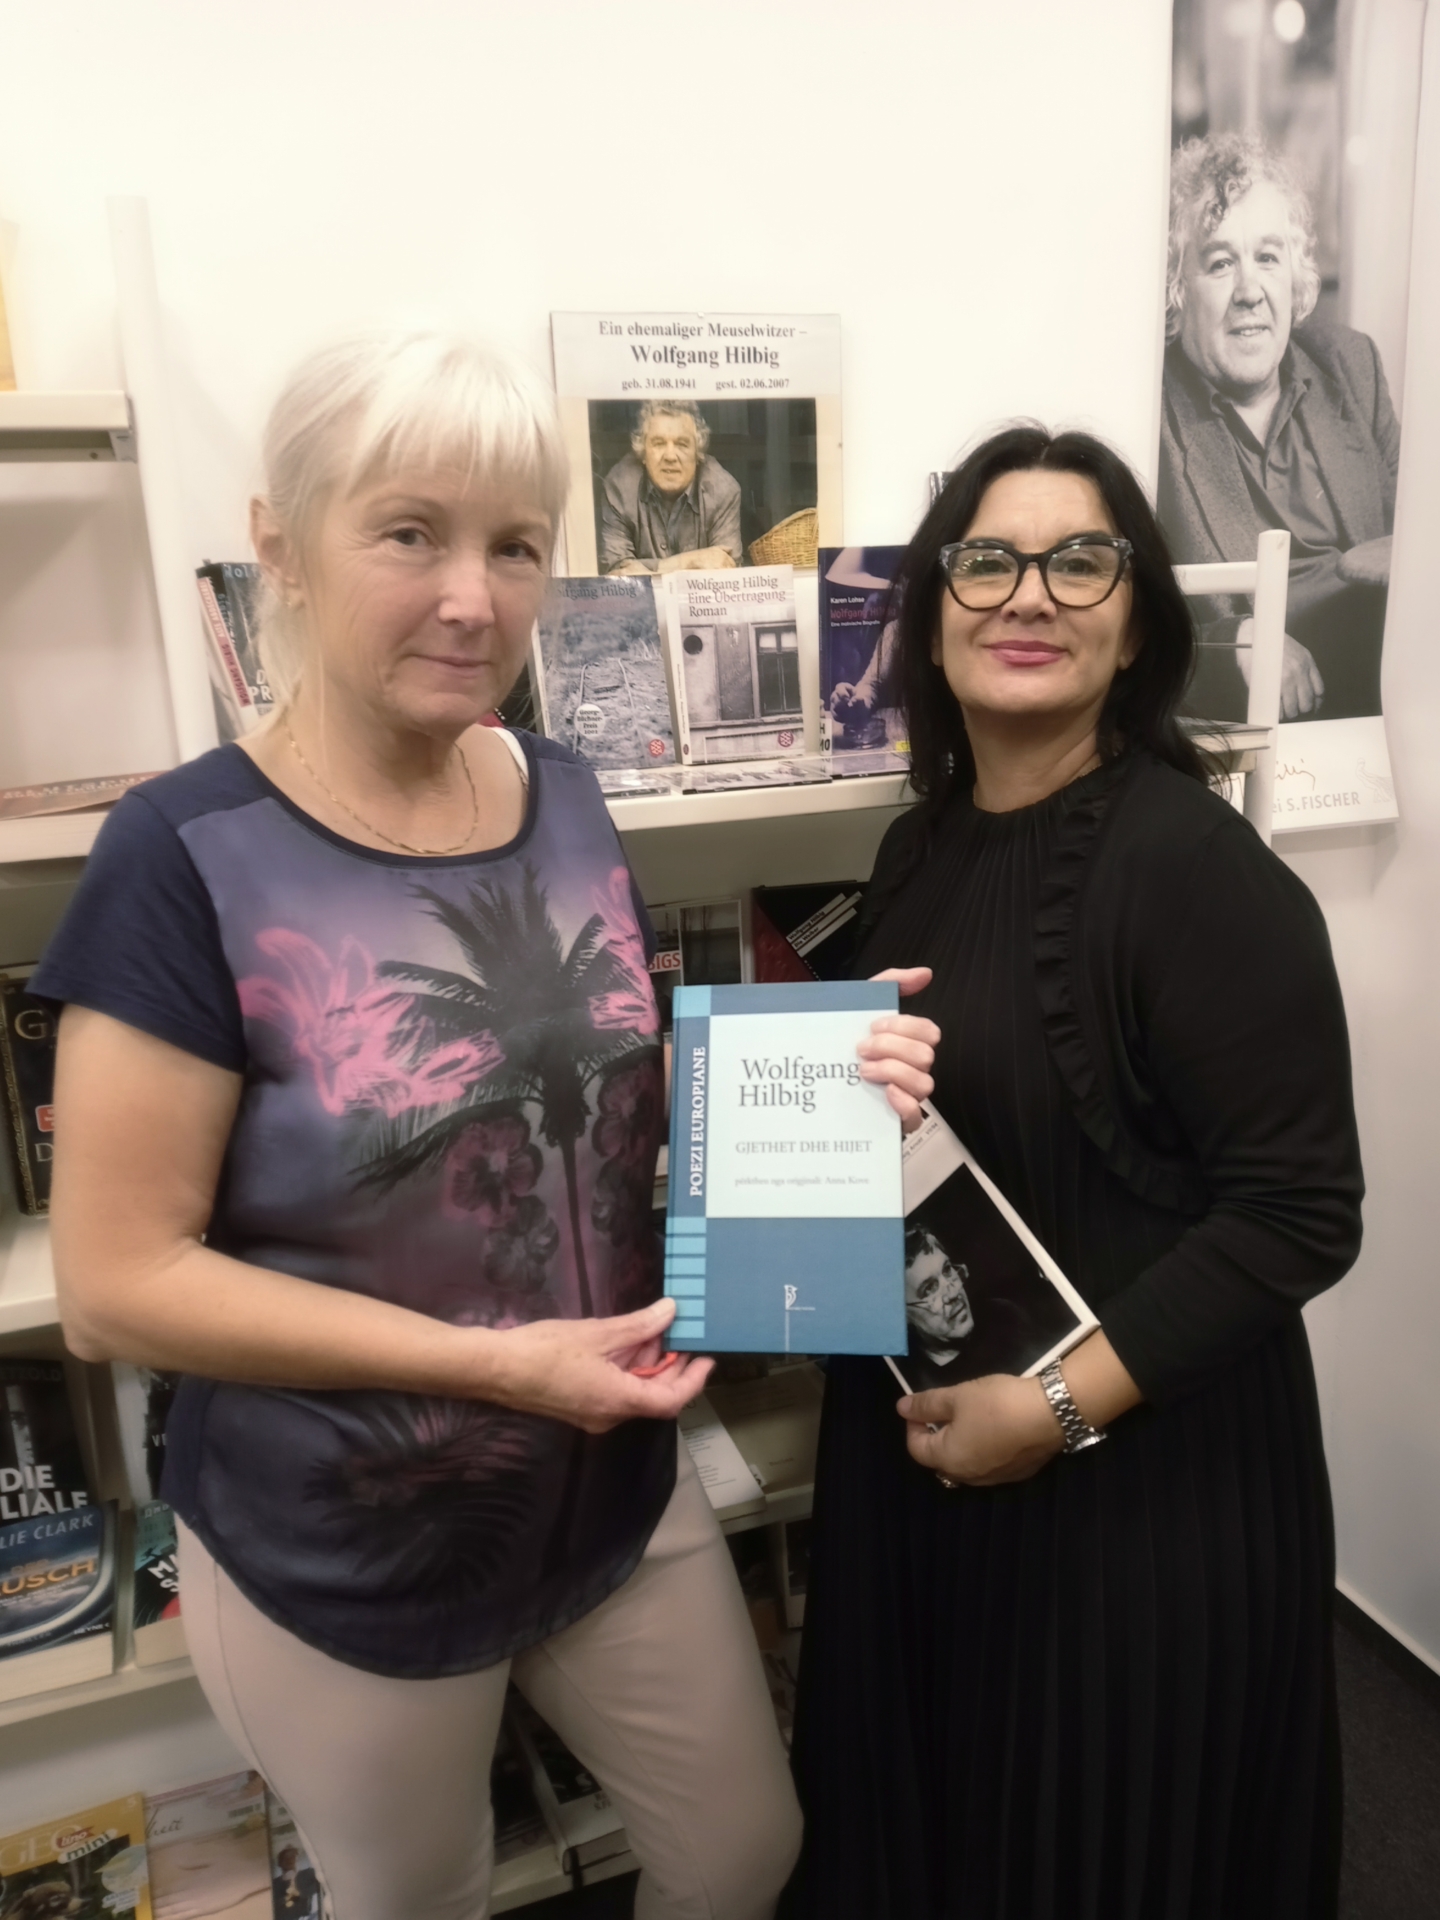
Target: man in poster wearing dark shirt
[
  {"x": 1268, "y": 422},
  {"x": 667, "y": 505},
  {"x": 946, "y": 1342}
]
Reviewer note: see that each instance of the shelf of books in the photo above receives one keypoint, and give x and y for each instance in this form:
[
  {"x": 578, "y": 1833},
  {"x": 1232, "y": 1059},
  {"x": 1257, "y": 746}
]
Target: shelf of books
[{"x": 643, "y": 812}]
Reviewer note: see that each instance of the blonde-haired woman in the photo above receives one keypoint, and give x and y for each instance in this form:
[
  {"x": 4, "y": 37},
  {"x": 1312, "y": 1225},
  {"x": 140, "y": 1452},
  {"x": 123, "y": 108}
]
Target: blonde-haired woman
[{"x": 362, "y": 1089}]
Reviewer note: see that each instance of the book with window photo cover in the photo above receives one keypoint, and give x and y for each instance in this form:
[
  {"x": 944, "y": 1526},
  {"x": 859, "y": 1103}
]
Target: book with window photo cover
[
  {"x": 734, "y": 646},
  {"x": 982, "y": 1295}
]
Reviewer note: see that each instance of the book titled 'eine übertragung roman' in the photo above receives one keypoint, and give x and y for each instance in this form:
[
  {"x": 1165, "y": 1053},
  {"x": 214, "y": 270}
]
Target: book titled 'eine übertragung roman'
[{"x": 784, "y": 1231}]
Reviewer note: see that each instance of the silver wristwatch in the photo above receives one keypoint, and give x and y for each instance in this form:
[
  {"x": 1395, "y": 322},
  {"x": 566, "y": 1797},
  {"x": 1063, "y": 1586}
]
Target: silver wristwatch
[{"x": 1077, "y": 1430}]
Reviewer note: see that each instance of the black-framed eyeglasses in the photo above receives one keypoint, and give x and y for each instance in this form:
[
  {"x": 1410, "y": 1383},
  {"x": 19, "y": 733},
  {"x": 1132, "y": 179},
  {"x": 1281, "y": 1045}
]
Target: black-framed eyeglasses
[{"x": 1078, "y": 572}]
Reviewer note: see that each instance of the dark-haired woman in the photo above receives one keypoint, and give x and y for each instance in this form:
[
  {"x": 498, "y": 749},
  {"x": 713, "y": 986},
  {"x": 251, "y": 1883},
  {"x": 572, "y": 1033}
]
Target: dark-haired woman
[{"x": 1068, "y": 1654}]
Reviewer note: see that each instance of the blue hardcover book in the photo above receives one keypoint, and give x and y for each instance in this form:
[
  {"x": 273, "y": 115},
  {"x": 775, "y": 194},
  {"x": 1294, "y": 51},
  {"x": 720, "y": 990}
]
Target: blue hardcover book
[{"x": 784, "y": 1231}]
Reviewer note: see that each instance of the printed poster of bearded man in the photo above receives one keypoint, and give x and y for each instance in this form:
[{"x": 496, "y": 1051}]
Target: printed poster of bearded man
[{"x": 1291, "y": 185}]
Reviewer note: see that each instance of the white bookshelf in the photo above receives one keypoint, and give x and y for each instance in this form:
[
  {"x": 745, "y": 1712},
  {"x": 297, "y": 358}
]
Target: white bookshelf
[
  {"x": 50, "y": 836},
  {"x": 120, "y": 1684},
  {"x": 66, "y": 426},
  {"x": 27, "y": 1275}
]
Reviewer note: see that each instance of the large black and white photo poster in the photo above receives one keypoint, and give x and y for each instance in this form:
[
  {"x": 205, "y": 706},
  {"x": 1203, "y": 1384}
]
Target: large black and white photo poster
[
  {"x": 1291, "y": 187},
  {"x": 699, "y": 441}
]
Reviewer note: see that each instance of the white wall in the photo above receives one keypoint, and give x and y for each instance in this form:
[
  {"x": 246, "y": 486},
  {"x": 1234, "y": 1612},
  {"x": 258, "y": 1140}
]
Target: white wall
[{"x": 319, "y": 164}]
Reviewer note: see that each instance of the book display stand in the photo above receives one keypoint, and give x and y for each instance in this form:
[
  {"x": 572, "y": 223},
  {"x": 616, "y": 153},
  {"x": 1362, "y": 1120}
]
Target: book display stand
[{"x": 679, "y": 843}]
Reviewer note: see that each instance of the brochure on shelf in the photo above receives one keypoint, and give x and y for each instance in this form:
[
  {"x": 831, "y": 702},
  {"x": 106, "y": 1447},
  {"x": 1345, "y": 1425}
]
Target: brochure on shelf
[
  {"x": 294, "y": 1883},
  {"x": 583, "y": 1823},
  {"x": 982, "y": 1295},
  {"x": 783, "y": 1232},
  {"x": 730, "y": 1486},
  {"x": 209, "y": 1850},
  {"x": 745, "y": 459},
  {"x": 96, "y": 1860}
]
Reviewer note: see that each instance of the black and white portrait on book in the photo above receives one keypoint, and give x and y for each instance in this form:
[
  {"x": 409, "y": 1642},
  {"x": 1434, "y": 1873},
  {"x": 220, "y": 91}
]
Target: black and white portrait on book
[
  {"x": 976, "y": 1301},
  {"x": 1293, "y": 132}
]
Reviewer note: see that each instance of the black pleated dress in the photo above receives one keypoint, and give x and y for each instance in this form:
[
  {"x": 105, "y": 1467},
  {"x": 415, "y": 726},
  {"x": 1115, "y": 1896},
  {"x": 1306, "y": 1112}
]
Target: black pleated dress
[{"x": 1104, "y": 1694}]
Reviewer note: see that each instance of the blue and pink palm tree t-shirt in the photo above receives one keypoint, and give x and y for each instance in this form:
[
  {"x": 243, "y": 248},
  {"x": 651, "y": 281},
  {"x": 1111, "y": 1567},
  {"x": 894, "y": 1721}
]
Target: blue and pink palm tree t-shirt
[{"x": 453, "y": 1096}]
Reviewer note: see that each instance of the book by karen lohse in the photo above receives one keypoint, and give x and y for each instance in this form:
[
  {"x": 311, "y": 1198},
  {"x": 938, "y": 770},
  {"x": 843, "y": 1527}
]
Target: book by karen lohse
[
  {"x": 982, "y": 1295},
  {"x": 27, "y": 1079},
  {"x": 599, "y": 669},
  {"x": 88, "y": 1866},
  {"x": 784, "y": 1229},
  {"x": 861, "y": 726}
]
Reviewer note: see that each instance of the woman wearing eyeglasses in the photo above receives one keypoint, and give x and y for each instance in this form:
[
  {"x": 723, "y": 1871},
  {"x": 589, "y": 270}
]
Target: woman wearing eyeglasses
[{"x": 1067, "y": 1643}]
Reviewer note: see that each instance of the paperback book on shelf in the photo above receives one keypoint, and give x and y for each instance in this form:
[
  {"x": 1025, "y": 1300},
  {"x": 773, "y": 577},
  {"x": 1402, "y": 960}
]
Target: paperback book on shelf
[
  {"x": 229, "y": 598},
  {"x": 57, "y": 1600},
  {"x": 699, "y": 941},
  {"x": 87, "y": 1866},
  {"x": 57, "y": 1548},
  {"x": 142, "y": 1405},
  {"x": 735, "y": 665},
  {"x": 599, "y": 669},
  {"x": 42, "y": 1465},
  {"x": 294, "y": 1883},
  {"x": 784, "y": 1229},
  {"x": 209, "y": 1850},
  {"x": 982, "y": 1295},
  {"x": 861, "y": 725},
  {"x": 695, "y": 432},
  {"x": 583, "y": 1823},
  {"x": 806, "y": 932},
  {"x": 27, "y": 1084},
  {"x": 159, "y": 1632}
]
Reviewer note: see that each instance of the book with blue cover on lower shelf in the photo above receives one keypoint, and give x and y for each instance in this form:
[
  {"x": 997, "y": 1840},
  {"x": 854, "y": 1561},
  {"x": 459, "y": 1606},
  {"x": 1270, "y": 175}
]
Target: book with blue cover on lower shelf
[{"x": 784, "y": 1229}]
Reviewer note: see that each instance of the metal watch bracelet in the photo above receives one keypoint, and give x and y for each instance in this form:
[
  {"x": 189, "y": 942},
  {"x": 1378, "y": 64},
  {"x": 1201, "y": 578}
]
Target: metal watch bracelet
[{"x": 1077, "y": 1430}]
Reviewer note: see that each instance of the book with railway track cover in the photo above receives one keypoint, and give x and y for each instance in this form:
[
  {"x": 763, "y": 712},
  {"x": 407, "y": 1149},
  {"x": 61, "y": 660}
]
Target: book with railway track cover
[
  {"x": 784, "y": 1228},
  {"x": 86, "y": 1866},
  {"x": 599, "y": 672}
]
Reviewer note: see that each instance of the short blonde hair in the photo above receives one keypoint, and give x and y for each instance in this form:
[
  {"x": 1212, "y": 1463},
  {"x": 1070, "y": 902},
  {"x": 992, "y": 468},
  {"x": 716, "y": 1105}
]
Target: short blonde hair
[
  {"x": 379, "y": 403},
  {"x": 1207, "y": 177}
]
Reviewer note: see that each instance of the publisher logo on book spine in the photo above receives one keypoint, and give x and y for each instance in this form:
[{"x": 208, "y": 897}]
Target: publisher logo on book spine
[{"x": 793, "y": 1306}]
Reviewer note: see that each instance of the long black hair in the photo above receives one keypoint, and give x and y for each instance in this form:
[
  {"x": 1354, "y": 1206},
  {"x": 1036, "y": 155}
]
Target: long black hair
[{"x": 1140, "y": 708}]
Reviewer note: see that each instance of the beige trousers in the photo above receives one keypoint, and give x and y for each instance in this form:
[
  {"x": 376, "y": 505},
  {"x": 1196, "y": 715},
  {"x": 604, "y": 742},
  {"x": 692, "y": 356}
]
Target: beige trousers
[{"x": 659, "y": 1692}]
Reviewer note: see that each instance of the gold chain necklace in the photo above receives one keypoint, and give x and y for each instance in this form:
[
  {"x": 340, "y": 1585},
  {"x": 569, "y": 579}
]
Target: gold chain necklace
[{"x": 402, "y": 846}]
